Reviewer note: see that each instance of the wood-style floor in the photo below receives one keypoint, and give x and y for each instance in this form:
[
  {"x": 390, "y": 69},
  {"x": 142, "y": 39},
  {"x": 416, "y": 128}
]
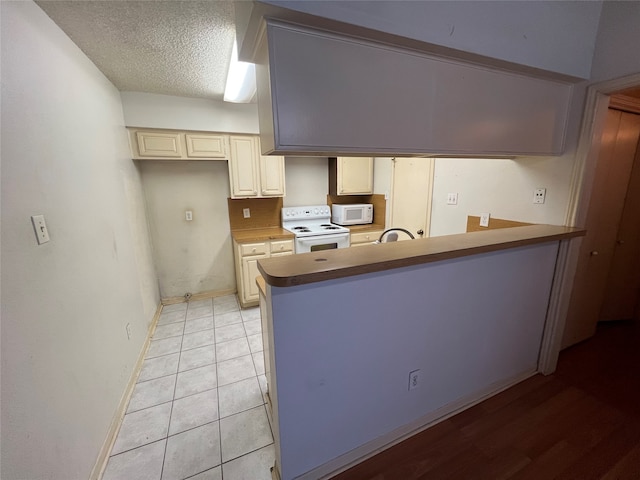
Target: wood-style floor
[{"x": 583, "y": 422}]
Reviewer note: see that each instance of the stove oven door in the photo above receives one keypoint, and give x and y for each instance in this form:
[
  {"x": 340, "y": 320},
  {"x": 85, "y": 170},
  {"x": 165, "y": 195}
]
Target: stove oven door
[{"x": 322, "y": 242}]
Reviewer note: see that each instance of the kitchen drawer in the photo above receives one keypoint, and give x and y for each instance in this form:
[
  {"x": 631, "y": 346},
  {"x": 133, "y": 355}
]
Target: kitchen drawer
[
  {"x": 365, "y": 237},
  {"x": 248, "y": 249},
  {"x": 281, "y": 246}
]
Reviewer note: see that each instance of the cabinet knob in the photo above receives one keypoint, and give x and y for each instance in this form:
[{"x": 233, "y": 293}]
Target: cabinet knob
[
  {"x": 367, "y": 237},
  {"x": 281, "y": 247},
  {"x": 253, "y": 249},
  {"x": 420, "y": 232},
  {"x": 594, "y": 253}
]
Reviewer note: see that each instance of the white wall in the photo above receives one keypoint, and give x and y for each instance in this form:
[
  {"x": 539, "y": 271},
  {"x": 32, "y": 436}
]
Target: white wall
[
  {"x": 307, "y": 181},
  {"x": 616, "y": 52},
  {"x": 501, "y": 187},
  {"x": 165, "y": 111},
  {"x": 195, "y": 256},
  {"x": 550, "y": 35},
  {"x": 65, "y": 355}
]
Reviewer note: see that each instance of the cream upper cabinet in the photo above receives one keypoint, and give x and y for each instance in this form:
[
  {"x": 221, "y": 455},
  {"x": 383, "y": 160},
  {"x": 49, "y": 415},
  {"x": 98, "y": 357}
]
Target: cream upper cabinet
[
  {"x": 351, "y": 176},
  {"x": 252, "y": 174},
  {"x": 149, "y": 144},
  {"x": 271, "y": 176},
  {"x": 158, "y": 144},
  {"x": 206, "y": 145},
  {"x": 243, "y": 166}
]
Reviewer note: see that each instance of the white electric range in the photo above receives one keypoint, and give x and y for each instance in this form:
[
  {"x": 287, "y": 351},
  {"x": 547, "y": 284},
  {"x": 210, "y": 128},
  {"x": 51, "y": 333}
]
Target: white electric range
[{"x": 313, "y": 228}]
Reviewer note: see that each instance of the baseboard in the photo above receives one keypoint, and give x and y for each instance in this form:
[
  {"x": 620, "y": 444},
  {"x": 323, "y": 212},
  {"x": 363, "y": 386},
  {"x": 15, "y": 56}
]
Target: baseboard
[
  {"x": 369, "y": 449},
  {"x": 114, "y": 428},
  {"x": 198, "y": 296}
]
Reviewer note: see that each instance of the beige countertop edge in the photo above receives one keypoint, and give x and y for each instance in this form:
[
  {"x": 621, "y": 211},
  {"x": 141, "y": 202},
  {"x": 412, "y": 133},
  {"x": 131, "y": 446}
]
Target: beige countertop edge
[
  {"x": 261, "y": 234},
  {"x": 262, "y": 286},
  {"x": 314, "y": 267},
  {"x": 372, "y": 227}
]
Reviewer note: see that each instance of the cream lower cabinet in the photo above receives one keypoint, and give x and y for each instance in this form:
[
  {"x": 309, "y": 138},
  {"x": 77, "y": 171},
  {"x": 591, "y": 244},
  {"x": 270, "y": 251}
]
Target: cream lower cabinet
[
  {"x": 247, "y": 255},
  {"x": 365, "y": 238},
  {"x": 251, "y": 174}
]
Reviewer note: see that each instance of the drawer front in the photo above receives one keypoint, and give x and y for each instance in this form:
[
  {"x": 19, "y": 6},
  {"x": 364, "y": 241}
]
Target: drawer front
[
  {"x": 281, "y": 246},
  {"x": 248, "y": 249},
  {"x": 365, "y": 237}
]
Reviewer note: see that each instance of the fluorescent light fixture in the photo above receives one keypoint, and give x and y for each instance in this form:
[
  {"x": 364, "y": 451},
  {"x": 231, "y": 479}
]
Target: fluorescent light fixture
[{"x": 241, "y": 80}]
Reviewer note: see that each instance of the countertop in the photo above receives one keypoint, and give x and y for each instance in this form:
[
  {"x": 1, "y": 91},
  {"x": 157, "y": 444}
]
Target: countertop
[
  {"x": 371, "y": 227},
  {"x": 313, "y": 267},
  {"x": 261, "y": 234}
]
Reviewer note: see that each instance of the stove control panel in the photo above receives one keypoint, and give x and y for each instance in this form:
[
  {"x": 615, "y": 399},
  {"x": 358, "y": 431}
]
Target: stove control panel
[{"x": 301, "y": 213}]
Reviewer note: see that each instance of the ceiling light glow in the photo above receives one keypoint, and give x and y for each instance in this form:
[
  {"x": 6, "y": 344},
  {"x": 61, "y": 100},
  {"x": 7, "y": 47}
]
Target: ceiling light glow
[{"x": 241, "y": 80}]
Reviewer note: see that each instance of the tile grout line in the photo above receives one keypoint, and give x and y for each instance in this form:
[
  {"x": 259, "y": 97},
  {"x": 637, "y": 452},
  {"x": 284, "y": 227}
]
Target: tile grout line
[
  {"x": 175, "y": 386},
  {"x": 215, "y": 349}
]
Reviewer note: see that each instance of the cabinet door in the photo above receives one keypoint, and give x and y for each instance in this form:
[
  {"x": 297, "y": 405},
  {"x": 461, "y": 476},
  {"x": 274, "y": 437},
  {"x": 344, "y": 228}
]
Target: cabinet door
[
  {"x": 166, "y": 144},
  {"x": 206, "y": 145},
  {"x": 272, "y": 176},
  {"x": 355, "y": 175},
  {"x": 250, "y": 291},
  {"x": 243, "y": 166}
]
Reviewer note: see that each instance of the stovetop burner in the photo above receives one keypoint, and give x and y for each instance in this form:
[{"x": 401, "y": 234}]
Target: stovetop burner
[{"x": 310, "y": 221}]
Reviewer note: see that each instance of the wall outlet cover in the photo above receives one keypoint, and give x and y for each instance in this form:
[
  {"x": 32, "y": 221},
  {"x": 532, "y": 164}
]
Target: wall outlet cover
[
  {"x": 484, "y": 219},
  {"x": 539, "y": 195}
]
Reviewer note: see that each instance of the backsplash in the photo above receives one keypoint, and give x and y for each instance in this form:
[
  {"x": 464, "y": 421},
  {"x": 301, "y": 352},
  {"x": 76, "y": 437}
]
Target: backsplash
[{"x": 265, "y": 212}]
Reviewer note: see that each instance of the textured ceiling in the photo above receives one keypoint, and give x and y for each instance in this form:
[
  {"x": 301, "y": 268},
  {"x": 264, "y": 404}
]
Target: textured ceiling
[{"x": 169, "y": 47}]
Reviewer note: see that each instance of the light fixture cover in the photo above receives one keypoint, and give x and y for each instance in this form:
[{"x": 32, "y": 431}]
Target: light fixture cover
[{"x": 241, "y": 80}]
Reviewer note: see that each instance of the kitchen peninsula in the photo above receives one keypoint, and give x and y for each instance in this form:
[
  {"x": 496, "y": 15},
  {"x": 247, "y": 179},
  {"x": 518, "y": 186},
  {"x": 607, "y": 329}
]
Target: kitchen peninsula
[{"x": 370, "y": 345}]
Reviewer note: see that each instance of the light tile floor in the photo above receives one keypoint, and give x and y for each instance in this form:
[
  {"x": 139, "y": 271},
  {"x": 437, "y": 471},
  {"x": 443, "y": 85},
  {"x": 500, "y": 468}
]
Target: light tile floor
[{"x": 198, "y": 409}]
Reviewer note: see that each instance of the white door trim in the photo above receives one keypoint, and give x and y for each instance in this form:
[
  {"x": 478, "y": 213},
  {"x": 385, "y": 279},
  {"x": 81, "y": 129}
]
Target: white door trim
[{"x": 586, "y": 158}]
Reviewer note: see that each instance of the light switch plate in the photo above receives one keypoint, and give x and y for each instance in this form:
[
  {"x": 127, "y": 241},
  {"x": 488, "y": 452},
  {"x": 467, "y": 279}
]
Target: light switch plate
[
  {"x": 40, "y": 227},
  {"x": 452, "y": 198}
]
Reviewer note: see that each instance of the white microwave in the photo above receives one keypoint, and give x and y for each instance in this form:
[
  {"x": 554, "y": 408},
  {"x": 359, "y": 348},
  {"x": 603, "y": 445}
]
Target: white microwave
[{"x": 353, "y": 214}]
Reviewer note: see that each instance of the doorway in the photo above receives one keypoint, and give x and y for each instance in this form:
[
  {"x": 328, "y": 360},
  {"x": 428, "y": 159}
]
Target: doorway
[
  {"x": 606, "y": 284},
  {"x": 412, "y": 186}
]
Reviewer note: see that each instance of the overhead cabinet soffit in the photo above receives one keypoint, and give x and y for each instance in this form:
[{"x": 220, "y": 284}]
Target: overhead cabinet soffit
[{"x": 322, "y": 93}]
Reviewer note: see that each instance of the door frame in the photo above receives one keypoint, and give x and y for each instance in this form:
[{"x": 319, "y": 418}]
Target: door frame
[
  {"x": 429, "y": 193},
  {"x": 586, "y": 159}
]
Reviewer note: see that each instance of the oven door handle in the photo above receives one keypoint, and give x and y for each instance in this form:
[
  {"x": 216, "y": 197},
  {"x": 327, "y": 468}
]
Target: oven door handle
[{"x": 324, "y": 238}]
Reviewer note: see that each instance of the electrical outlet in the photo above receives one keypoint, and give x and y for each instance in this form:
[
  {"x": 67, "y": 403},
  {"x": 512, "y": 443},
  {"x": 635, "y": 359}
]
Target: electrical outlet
[
  {"x": 128, "y": 328},
  {"x": 484, "y": 219},
  {"x": 452, "y": 198},
  {"x": 246, "y": 213},
  {"x": 188, "y": 215},
  {"x": 414, "y": 379},
  {"x": 40, "y": 227},
  {"x": 539, "y": 194}
]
